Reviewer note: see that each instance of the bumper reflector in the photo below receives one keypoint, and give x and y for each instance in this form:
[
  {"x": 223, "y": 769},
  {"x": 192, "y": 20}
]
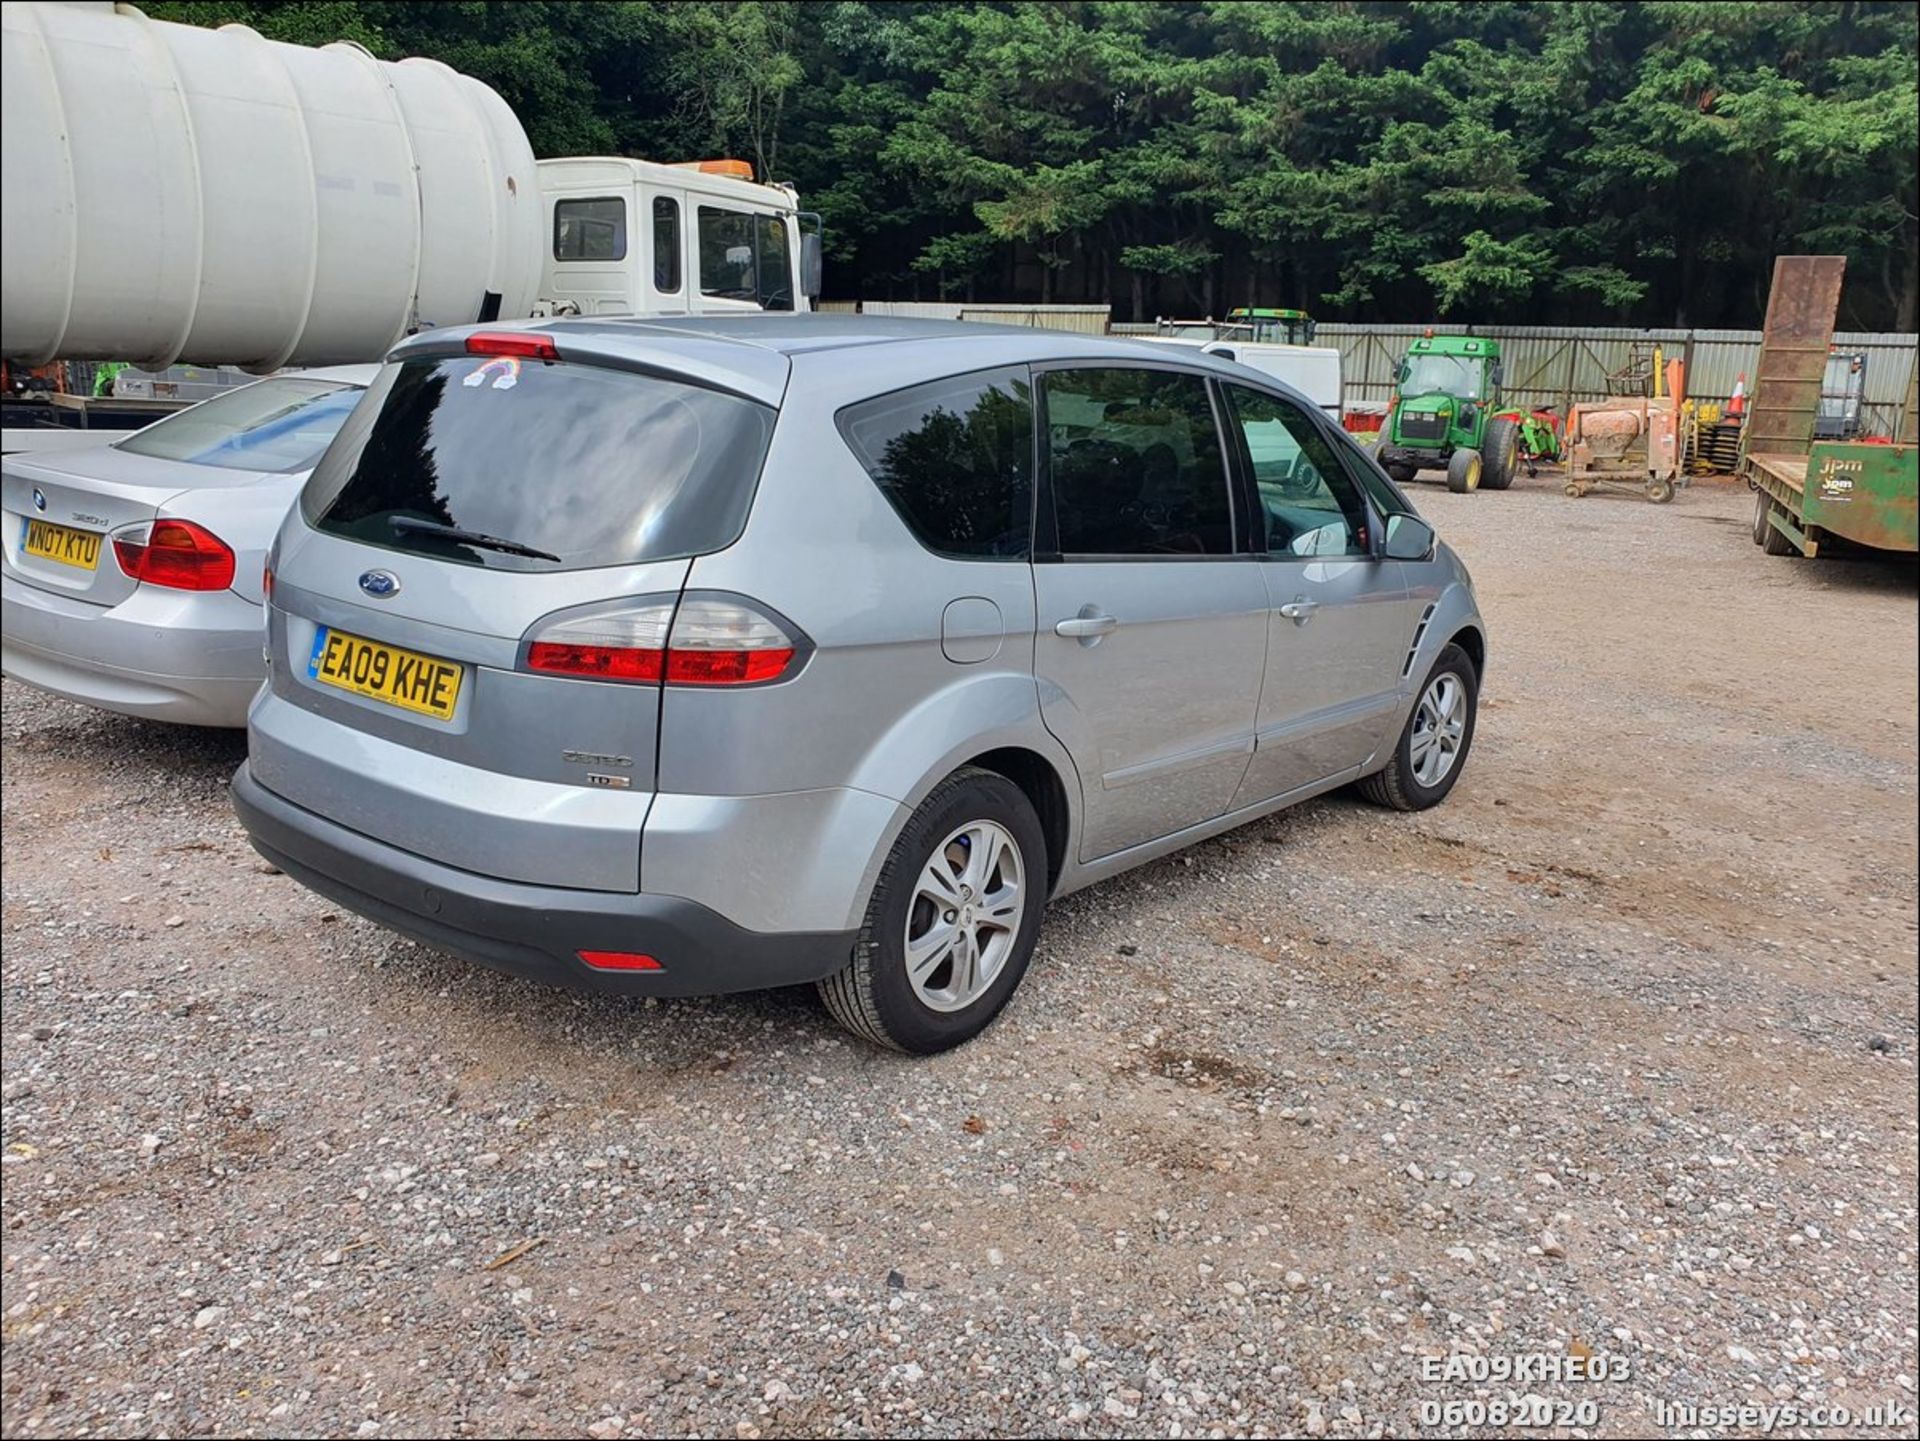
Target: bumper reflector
[{"x": 620, "y": 961}]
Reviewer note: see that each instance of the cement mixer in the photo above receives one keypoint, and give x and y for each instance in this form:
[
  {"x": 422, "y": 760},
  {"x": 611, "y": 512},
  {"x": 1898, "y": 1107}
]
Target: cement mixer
[
  {"x": 1630, "y": 441},
  {"x": 175, "y": 194}
]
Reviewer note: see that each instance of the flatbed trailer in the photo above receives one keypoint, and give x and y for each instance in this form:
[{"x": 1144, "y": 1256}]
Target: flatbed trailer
[
  {"x": 1864, "y": 494},
  {"x": 64, "y": 422},
  {"x": 1808, "y": 492}
]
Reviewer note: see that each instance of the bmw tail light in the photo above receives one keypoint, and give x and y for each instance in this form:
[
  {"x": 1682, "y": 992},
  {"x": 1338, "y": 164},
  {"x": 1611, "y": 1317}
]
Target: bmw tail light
[
  {"x": 702, "y": 640},
  {"x": 177, "y": 554}
]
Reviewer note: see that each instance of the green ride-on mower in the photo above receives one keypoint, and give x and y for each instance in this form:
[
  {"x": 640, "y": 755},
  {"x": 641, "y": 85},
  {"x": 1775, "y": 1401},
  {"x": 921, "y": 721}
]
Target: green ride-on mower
[{"x": 1446, "y": 415}]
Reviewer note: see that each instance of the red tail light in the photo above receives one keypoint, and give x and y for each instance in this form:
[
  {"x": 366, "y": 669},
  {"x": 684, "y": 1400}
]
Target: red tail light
[
  {"x": 602, "y": 662},
  {"x": 620, "y": 961},
  {"x": 706, "y": 640},
  {"x": 727, "y": 667},
  {"x": 177, "y": 554},
  {"x": 512, "y": 342}
]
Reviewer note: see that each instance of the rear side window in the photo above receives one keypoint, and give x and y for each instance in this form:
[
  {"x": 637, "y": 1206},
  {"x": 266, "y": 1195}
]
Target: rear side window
[
  {"x": 1135, "y": 464},
  {"x": 590, "y": 229},
  {"x": 955, "y": 459},
  {"x": 666, "y": 245},
  {"x": 281, "y": 424},
  {"x": 589, "y": 466}
]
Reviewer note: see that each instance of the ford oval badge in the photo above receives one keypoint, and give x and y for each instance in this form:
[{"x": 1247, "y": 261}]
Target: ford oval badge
[
  {"x": 380, "y": 584},
  {"x": 39, "y": 499}
]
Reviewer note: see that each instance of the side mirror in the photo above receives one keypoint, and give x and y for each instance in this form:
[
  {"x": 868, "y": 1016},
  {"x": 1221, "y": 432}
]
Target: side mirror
[
  {"x": 1494, "y": 372},
  {"x": 1401, "y": 372},
  {"x": 1408, "y": 538},
  {"x": 810, "y": 264}
]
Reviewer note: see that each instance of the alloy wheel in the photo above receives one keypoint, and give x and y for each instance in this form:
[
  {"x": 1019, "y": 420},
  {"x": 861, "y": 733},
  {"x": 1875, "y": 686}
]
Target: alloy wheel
[
  {"x": 968, "y": 901},
  {"x": 1439, "y": 728}
]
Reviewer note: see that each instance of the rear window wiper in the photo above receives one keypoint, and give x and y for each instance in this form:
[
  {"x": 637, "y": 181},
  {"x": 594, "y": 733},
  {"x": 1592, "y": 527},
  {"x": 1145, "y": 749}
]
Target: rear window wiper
[{"x": 413, "y": 524}]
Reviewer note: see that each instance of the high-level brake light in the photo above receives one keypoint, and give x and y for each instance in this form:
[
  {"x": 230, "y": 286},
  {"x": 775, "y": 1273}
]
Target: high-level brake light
[{"x": 512, "y": 342}]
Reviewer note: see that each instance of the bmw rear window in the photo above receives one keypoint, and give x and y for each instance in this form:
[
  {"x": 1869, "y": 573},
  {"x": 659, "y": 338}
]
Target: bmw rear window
[
  {"x": 282, "y": 424},
  {"x": 536, "y": 466}
]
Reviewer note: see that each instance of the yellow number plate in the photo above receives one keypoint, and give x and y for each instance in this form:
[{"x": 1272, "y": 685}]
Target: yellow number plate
[
  {"x": 77, "y": 548},
  {"x": 403, "y": 678}
]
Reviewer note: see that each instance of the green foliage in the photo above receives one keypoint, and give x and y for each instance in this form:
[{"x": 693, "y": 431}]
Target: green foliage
[
  {"x": 1497, "y": 273},
  {"x": 1585, "y": 161}
]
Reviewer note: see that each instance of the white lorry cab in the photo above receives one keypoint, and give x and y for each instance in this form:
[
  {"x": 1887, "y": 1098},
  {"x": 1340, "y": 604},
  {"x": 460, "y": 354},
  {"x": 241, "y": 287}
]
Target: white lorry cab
[{"x": 637, "y": 237}]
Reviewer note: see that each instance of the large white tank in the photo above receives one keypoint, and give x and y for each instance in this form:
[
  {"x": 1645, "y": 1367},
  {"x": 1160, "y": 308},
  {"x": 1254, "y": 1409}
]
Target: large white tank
[{"x": 169, "y": 193}]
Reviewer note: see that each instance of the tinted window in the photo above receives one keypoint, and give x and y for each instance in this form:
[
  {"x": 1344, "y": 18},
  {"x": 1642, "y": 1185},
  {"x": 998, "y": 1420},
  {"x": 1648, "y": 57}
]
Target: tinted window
[
  {"x": 1135, "y": 464},
  {"x": 598, "y": 467},
  {"x": 743, "y": 256},
  {"x": 955, "y": 458},
  {"x": 590, "y": 229},
  {"x": 281, "y": 424},
  {"x": 1308, "y": 504},
  {"x": 666, "y": 245}
]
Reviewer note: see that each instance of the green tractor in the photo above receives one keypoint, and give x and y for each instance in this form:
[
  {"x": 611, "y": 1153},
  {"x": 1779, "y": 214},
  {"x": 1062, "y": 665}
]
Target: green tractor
[
  {"x": 1272, "y": 325},
  {"x": 1446, "y": 415}
]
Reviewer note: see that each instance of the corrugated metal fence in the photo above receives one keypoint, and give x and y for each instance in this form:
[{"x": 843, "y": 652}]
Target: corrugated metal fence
[{"x": 1554, "y": 366}]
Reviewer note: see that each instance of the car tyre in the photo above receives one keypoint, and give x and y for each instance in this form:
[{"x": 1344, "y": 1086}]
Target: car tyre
[
  {"x": 1402, "y": 474},
  {"x": 877, "y": 996},
  {"x": 1762, "y": 505},
  {"x": 1502, "y": 454},
  {"x": 1463, "y": 471},
  {"x": 1410, "y": 781}
]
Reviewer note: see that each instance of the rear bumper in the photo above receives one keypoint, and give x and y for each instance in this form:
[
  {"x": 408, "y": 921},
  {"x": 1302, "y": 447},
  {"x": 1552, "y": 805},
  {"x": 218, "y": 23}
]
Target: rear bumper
[
  {"x": 531, "y": 930},
  {"x": 187, "y": 657}
]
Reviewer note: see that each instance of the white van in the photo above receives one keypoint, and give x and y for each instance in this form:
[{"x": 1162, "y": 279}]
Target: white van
[{"x": 1313, "y": 370}]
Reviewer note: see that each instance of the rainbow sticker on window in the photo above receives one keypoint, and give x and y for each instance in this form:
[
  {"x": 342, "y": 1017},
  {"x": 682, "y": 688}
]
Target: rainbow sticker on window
[{"x": 505, "y": 370}]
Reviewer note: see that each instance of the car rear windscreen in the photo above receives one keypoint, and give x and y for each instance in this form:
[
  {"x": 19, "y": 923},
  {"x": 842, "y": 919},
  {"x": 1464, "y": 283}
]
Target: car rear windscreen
[
  {"x": 536, "y": 465},
  {"x": 282, "y": 424}
]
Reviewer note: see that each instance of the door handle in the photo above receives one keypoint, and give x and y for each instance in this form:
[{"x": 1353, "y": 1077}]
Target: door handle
[
  {"x": 1300, "y": 611},
  {"x": 1087, "y": 626}
]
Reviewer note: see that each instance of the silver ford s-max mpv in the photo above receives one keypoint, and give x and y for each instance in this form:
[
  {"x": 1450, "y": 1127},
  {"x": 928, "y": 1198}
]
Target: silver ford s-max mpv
[{"x": 679, "y": 657}]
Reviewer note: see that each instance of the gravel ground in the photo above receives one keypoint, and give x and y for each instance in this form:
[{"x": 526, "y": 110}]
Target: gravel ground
[{"x": 1614, "y": 1052}]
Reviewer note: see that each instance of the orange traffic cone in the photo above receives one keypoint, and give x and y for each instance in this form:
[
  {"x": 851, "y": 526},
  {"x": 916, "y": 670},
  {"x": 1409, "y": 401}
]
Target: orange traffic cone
[{"x": 1738, "y": 404}]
